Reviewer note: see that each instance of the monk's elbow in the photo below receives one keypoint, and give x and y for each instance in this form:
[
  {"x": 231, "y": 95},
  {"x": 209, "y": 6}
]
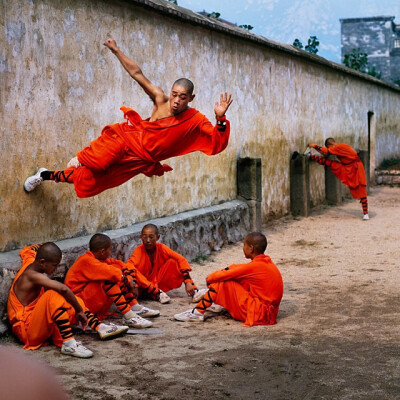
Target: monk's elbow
[{"x": 64, "y": 289}]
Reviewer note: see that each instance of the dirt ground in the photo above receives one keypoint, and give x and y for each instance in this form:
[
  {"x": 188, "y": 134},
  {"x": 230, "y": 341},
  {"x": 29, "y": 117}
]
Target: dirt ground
[{"x": 337, "y": 335}]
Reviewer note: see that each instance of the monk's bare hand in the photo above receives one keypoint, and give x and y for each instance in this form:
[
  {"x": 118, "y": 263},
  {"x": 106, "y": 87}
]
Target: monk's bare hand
[
  {"x": 134, "y": 289},
  {"x": 225, "y": 100},
  {"x": 311, "y": 145},
  {"x": 111, "y": 44},
  {"x": 189, "y": 289},
  {"x": 82, "y": 318}
]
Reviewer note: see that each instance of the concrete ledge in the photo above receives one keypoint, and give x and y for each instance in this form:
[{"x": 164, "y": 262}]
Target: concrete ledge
[
  {"x": 387, "y": 177},
  {"x": 192, "y": 233}
]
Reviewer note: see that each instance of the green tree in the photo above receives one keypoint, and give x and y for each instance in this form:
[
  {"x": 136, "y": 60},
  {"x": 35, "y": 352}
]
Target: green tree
[
  {"x": 214, "y": 14},
  {"x": 312, "y": 46},
  {"x": 247, "y": 27},
  {"x": 396, "y": 81},
  {"x": 356, "y": 60},
  {"x": 373, "y": 72},
  {"x": 297, "y": 44}
]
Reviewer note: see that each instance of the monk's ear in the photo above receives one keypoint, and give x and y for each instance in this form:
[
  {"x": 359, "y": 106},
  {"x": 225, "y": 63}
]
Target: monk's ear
[{"x": 192, "y": 97}]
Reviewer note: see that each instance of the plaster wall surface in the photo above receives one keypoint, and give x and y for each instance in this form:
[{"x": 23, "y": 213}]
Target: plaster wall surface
[{"x": 60, "y": 86}]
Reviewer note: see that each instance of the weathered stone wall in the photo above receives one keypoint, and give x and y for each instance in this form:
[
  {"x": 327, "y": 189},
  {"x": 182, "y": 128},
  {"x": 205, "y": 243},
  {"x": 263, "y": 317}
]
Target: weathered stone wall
[
  {"x": 60, "y": 86},
  {"x": 192, "y": 233}
]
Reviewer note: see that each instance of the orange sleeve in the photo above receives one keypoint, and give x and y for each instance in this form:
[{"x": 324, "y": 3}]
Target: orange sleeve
[
  {"x": 134, "y": 259},
  {"x": 214, "y": 139},
  {"x": 28, "y": 254},
  {"x": 234, "y": 271}
]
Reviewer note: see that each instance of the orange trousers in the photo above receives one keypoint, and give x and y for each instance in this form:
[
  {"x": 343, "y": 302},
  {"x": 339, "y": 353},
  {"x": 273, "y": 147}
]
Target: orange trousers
[{"x": 39, "y": 326}]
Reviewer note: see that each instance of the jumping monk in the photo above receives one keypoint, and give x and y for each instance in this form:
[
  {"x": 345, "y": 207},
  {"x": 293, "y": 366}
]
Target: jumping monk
[
  {"x": 160, "y": 269},
  {"x": 349, "y": 169},
  {"x": 101, "y": 281},
  {"x": 250, "y": 292},
  {"x": 40, "y": 309},
  {"x": 137, "y": 146}
]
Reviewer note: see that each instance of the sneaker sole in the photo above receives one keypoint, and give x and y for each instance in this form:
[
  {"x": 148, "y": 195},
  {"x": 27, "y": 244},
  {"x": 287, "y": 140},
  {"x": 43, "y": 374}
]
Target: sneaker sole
[
  {"x": 148, "y": 315},
  {"x": 115, "y": 334},
  {"x": 76, "y": 355},
  {"x": 189, "y": 320}
]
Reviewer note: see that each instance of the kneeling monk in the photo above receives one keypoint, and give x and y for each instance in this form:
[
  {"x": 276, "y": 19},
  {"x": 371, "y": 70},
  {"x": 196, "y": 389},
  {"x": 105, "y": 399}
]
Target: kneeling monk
[
  {"x": 249, "y": 292},
  {"x": 349, "y": 169},
  {"x": 137, "y": 146},
  {"x": 40, "y": 309},
  {"x": 160, "y": 269},
  {"x": 101, "y": 281}
]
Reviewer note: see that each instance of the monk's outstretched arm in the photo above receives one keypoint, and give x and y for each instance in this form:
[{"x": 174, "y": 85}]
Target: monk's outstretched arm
[
  {"x": 323, "y": 150},
  {"x": 40, "y": 279},
  {"x": 155, "y": 93}
]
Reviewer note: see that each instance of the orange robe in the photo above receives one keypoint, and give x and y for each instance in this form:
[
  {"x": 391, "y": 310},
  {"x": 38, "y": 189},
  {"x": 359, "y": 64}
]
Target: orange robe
[
  {"x": 168, "y": 271},
  {"x": 33, "y": 324},
  {"x": 137, "y": 146},
  {"x": 86, "y": 279},
  {"x": 250, "y": 292},
  {"x": 350, "y": 169}
]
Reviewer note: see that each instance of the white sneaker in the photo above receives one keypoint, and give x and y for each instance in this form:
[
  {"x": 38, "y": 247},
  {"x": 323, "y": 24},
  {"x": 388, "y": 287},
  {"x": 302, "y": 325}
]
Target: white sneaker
[
  {"x": 34, "y": 181},
  {"x": 146, "y": 312},
  {"x": 366, "y": 217},
  {"x": 76, "y": 350},
  {"x": 111, "y": 331},
  {"x": 191, "y": 315},
  {"x": 73, "y": 162},
  {"x": 137, "y": 322},
  {"x": 199, "y": 295},
  {"x": 163, "y": 297},
  {"x": 215, "y": 308}
]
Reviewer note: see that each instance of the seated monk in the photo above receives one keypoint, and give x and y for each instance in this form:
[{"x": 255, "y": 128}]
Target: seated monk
[
  {"x": 137, "y": 146},
  {"x": 349, "y": 169},
  {"x": 250, "y": 292},
  {"x": 160, "y": 269},
  {"x": 101, "y": 281},
  {"x": 41, "y": 309}
]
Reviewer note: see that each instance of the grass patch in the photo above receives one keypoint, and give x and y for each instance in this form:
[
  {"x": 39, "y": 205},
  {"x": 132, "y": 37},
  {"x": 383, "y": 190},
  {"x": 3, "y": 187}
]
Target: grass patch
[
  {"x": 202, "y": 258},
  {"x": 392, "y": 163}
]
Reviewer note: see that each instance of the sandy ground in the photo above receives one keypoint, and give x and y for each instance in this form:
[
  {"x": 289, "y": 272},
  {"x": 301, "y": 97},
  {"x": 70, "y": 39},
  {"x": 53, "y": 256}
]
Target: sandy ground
[{"x": 337, "y": 335}]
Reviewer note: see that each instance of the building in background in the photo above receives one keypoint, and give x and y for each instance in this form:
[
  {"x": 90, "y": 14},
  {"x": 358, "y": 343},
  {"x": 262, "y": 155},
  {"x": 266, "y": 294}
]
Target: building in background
[{"x": 379, "y": 38}]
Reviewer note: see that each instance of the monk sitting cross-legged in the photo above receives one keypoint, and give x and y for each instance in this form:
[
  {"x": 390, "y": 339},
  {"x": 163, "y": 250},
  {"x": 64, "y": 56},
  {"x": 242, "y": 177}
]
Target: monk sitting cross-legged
[
  {"x": 249, "y": 292},
  {"x": 137, "y": 146},
  {"x": 349, "y": 169},
  {"x": 41, "y": 309},
  {"x": 160, "y": 269},
  {"x": 101, "y": 281}
]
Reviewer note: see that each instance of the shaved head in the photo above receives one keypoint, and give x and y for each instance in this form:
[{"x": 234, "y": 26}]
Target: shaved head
[
  {"x": 329, "y": 142},
  {"x": 151, "y": 226},
  {"x": 49, "y": 251},
  {"x": 98, "y": 242},
  {"x": 258, "y": 241},
  {"x": 186, "y": 84}
]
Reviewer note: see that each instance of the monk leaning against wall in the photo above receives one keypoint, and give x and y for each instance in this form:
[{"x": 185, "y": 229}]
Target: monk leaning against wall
[
  {"x": 349, "y": 169},
  {"x": 137, "y": 146}
]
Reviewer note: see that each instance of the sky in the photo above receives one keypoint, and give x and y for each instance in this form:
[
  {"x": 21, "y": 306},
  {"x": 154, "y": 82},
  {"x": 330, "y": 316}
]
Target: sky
[{"x": 286, "y": 20}]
